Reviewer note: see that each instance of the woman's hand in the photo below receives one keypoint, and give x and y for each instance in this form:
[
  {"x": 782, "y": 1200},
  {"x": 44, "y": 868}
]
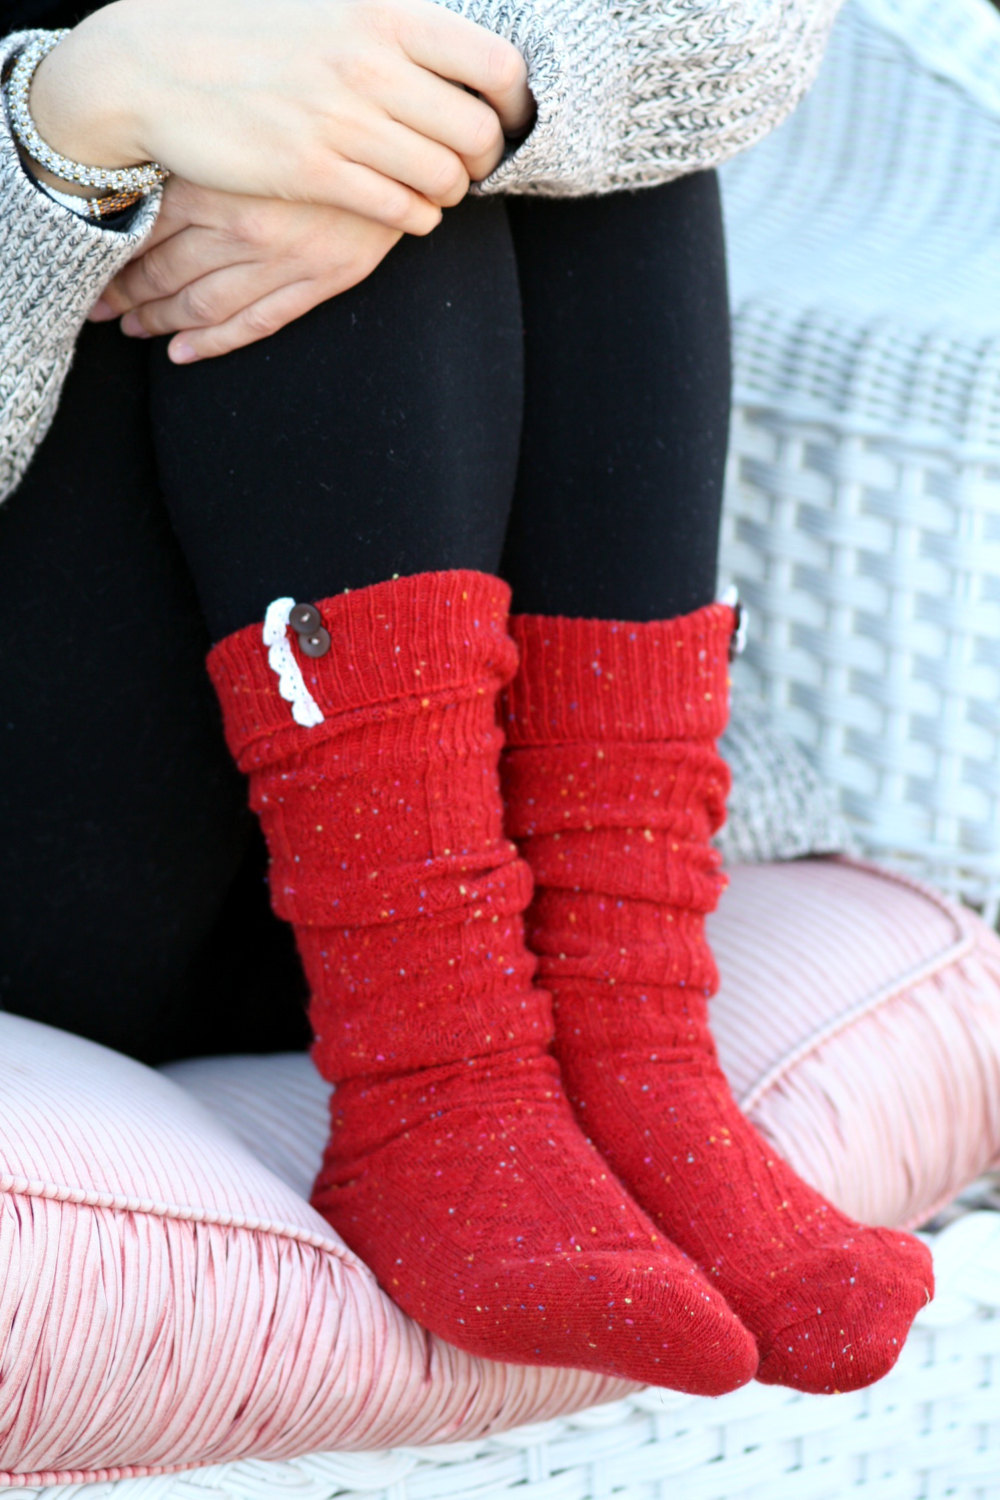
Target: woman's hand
[
  {"x": 362, "y": 105},
  {"x": 223, "y": 270}
]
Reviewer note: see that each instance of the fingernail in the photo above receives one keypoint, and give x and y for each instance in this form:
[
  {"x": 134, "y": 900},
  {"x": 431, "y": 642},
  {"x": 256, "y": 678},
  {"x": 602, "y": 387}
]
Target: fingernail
[
  {"x": 101, "y": 312},
  {"x": 182, "y": 353},
  {"x": 134, "y": 329}
]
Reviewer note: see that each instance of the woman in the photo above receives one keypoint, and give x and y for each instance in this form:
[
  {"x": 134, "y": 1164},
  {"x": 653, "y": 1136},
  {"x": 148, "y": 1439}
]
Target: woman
[{"x": 523, "y": 390}]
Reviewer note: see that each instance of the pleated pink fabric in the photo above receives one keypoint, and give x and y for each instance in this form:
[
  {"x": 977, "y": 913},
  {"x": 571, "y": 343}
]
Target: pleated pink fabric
[
  {"x": 859, "y": 1021},
  {"x": 166, "y": 1300},
  {"x": 169, "y": 1298}
]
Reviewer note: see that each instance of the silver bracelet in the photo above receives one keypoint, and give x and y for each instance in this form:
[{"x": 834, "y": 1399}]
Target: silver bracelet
[{"x": 122, "y": 179}]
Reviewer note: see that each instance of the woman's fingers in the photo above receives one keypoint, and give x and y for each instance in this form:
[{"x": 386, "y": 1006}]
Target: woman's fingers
[
  {"x": 260, "y": 265},
  {"x": 247, "y": 326},
  {"x": 212, "y": 299},
  {"x": 281, "y": 101},
  {"x": 428, "y": 168},
  {"x": 448, "y": 113},
  {"x": 162, "y": 272},
  {"x": 362, "y": 190},
  {"x": 230, "y": 252},
  {"x": 456, "y": 48}
]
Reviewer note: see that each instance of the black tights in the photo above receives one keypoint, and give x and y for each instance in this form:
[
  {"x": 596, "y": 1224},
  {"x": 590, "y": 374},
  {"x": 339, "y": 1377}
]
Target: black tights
[{"x": 538, "y": 389}]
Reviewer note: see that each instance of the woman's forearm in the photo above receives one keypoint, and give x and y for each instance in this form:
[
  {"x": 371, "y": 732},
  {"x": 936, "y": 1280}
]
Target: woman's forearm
[
  {"x": 383, "y": 108},
  {"x": 633, "y": 94},
  {"x": 86, "y": 123},
  {"x": 53, "y": 267}
]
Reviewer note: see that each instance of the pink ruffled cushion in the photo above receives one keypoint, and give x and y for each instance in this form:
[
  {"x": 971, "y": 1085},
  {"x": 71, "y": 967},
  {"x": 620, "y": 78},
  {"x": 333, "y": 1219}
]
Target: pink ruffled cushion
[
  {"x": 170, "y": 1299},
  {"x": 166, "y": 1300},
  {"x": 859, "y": 1022}
]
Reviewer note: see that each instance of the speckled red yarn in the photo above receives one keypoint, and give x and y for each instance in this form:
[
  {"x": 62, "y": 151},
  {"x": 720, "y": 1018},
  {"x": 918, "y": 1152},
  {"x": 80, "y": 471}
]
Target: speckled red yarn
[
  {"x": 614, "y": 787},
  {"x": 455, "y": 1167}
]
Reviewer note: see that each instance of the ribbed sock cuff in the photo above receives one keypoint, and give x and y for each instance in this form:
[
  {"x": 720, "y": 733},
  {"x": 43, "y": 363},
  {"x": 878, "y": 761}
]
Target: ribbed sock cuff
[
  {"x": 581, "y": 681},
  {"x": 405, "y": 641}
]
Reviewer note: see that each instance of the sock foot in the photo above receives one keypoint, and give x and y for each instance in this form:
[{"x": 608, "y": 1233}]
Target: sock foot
[
  {"x": 828, "y": 1301},
  {"x": 858, "y": 1328},
  {"x": 491, "y": 1221},
  {"x": 613, "y": 789}
]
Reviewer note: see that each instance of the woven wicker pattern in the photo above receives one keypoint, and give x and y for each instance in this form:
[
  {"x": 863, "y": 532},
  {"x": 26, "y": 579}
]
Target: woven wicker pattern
[
  {"x": 779, "y": 807},
  {"x": 957, "y": 42},
  {"x": 930, "y": 1429},
  {"x": 863, "y": 512}
]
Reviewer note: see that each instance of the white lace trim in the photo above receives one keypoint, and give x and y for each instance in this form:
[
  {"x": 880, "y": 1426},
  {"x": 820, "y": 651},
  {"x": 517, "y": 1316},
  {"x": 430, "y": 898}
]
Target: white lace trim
[
  {"x": 291, "y": 684},
  {"x": 731, "y": 597}
]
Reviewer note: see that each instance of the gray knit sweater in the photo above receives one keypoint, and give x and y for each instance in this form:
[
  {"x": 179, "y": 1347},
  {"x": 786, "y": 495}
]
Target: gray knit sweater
[{"x": 629, "y": 92}]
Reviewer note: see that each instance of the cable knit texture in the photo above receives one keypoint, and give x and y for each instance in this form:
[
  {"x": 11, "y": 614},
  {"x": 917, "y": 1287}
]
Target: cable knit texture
[
  {"x": 454, "y": 1167},
  {"x": 613, "y": 788},
  {"x": 628, "y": 96}
]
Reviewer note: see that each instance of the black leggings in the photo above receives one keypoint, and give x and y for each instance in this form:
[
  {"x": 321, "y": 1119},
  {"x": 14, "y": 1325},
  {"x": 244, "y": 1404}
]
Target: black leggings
[{"x": 538, "y": 389}]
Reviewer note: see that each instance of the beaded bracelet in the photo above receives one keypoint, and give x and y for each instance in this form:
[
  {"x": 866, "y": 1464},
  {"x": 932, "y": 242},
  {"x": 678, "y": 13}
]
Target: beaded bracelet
[{"x": 120, "y": 180}]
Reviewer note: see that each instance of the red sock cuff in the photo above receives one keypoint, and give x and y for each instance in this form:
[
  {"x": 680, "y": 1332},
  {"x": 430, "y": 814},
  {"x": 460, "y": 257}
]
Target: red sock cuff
[
  {"x": 397, "y": 645},
  {"x": 586, "y": 680}
]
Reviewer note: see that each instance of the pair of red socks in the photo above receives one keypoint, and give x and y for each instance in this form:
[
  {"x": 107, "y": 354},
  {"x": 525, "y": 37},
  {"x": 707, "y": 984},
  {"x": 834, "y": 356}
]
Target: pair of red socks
[{"x": 548, "y": 1172}]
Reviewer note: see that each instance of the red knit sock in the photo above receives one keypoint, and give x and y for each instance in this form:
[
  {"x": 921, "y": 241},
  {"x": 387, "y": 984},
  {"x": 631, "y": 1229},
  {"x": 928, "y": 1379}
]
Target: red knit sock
[
  {"x": 614, "y": 787},
  {"x": 455, "y": 1168}
]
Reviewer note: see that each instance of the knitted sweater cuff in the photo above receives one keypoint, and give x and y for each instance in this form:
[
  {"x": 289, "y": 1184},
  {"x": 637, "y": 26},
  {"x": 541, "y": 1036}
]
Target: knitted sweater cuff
[
  {"x": 632, "y": 95},
  {"x": 579, "y": 81},
  {"x": 53, "y": 267}
]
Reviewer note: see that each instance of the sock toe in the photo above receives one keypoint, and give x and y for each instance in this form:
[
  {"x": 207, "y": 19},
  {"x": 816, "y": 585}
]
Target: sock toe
[
  {"x": 868, "y": 1298},
  {"x": 654, "y": 1321}
]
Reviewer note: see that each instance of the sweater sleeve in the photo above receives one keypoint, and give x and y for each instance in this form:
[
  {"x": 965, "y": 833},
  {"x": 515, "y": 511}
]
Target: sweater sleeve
[
  {"x": 632, "y": 93},
  {"x": 53, "y": 267}
]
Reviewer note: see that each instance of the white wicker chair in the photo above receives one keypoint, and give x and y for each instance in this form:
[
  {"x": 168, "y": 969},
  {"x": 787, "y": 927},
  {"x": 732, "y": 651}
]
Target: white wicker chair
[
  {"x": 864, "y": 529},
  {"x": 863, "y": 513},
  {"x": 931, "y": 1428}
]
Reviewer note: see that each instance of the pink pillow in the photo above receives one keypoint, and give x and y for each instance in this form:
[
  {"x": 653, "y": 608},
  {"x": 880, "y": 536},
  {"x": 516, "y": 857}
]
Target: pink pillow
[
  {"x": 859, "y": 1022},
  {"x": 166, "y": 1300},
  {"x": 170, "y": 1299}
]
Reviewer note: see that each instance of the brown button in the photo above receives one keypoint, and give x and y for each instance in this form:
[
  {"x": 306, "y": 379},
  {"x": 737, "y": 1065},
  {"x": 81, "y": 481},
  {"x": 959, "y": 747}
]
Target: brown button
[
  {"x": 304, "y": 619},
  {"x": 315, "y": 644}
]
